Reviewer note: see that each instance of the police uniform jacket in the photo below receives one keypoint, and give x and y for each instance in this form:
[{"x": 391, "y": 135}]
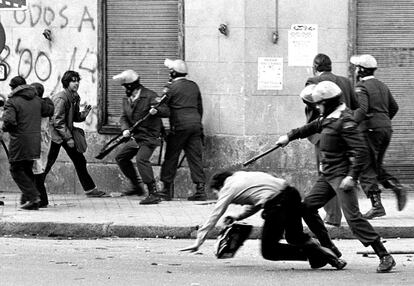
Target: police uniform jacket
[
  {"x": 22, "y": 118},
  {"x": 342, "y": 148},
  {"x": 149, "y": 131},
  {"x": 377, "y": 105},
  {"x": 185, "y": 103}
]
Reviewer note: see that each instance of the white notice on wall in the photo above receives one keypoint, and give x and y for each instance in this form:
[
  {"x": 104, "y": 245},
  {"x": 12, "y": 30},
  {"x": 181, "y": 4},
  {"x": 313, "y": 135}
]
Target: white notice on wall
[
  {"x": 269, "y": 73},
  {"x": 302, "y": 44}
]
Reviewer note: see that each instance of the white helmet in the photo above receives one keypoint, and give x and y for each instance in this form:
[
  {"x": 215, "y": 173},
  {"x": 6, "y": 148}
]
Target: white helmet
[
  {"x": 306, "y": 93},
  {"x": 325, "y": 90},
  {"x": 177, "y": 65},
  {"x": 366, "y": 61},
  {"x": 125, "y": 77}
]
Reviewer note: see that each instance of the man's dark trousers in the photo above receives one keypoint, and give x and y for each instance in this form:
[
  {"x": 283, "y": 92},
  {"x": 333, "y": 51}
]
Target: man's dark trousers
[
  {"x": 282, "y": 215},
  {"x": 78, "y": 160},
  {"x": 190, "y": 141},
  {"x": 22, "y": 174}
]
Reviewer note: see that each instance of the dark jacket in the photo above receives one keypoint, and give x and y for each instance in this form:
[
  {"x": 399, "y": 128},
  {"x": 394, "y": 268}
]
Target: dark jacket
[
  {"x": 348, "y": 93},
  {"x": 149, "y": 131},
  {"x": 63, "y": 118},
  {"x": 22, "y": 117},
  {"x": 342, "y": 147},
  {"x": 377, "y": 105},
  {"x": 185, "y": 103}
]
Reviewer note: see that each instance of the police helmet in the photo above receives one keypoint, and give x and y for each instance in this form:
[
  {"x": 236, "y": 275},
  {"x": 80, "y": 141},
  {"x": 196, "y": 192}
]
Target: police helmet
[
  {"x": 178, "y": 66},
  {"x": 325, "y": 90},
  {"x": 366, "y": 61},
  {"x": 306, "y": 93},
  {"x": 126, "y": 77}
]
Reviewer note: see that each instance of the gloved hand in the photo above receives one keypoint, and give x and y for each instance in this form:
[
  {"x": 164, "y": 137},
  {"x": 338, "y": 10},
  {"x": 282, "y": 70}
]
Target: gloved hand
[
  {"x": 347, "y": 184},
  {"x": 126, "y": 133},
  {"x": 153, "y": 111},
  {"x": 283, "y": 141}
]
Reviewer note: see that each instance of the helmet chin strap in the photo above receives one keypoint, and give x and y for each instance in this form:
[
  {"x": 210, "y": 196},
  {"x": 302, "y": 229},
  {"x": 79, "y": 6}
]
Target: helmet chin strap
[{"x": 330, "y": 105}]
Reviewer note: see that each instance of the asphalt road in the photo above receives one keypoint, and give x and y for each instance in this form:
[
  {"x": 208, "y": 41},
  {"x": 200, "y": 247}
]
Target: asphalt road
[{"x": 29, "y": 261}]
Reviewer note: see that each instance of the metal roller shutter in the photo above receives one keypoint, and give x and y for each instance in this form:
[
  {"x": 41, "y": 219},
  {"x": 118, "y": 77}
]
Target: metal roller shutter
[
  {"x": 385, "y": 30},
  {"x": 139, "y": 35}
]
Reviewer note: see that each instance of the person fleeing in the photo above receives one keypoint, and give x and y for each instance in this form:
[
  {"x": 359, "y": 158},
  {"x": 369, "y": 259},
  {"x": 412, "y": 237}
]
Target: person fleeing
[{"x": 67, "y": 111}]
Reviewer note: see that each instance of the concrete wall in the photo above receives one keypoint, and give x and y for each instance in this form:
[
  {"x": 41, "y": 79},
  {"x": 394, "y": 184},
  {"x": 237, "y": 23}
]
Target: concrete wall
[{"x": 240, "y": 121}]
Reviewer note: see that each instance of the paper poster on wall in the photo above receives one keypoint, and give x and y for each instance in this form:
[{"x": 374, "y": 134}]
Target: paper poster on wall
[
  {"x": 302, "y": 44},
  {"x": 269, "y": 73}
]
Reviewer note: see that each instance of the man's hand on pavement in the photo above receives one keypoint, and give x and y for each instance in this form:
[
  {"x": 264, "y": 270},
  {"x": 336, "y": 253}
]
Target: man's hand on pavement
[
  {"x": 229, "y": 220},
  {"x": 191, "y": 248}
]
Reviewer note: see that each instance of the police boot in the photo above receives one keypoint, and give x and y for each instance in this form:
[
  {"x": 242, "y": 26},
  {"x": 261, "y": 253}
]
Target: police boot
[
  {"x": 387, "y": 262},
  {"x": 152, "y": 197},
  {"x": 200, "y": 194},
  {"x": 400, "y": 193},
  {"x": 377, "y": 209},
  {"x": 167, "y": 192}
]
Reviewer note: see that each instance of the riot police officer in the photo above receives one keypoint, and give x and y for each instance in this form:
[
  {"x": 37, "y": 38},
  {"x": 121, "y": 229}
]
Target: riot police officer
[
  {"x": 186, "y": 131},
  {"x": 139, "y": 102},
  {"x": 343, "y": 153},
  {"x": 376, "y": 109}
]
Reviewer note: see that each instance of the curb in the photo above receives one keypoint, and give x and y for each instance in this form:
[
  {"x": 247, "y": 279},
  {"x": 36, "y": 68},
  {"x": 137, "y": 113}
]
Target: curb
[{"x": 100, "y": 230}]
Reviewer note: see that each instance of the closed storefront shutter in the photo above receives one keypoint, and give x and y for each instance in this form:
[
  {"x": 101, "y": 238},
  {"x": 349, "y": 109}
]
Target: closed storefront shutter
[
  {"x": 138, "y": 35},
  {"x": 385, "y": 30}
]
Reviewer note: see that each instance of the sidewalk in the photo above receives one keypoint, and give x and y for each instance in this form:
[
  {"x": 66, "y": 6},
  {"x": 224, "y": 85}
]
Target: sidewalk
[{"x": 76, "y": 216}]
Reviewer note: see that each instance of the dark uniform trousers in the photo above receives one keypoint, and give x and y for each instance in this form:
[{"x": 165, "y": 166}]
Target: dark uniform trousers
[
  {"x": 320, "y": 194},
  {"x": 22, "y": 174},
  {"x": 190, "y": 141},
  {"x": 143, "y": 154},
  {"x": 78, "y": 160},
  {"x": 343, "y": 152},
  {"x": 282, "y": 216},
  {"x": 377, "y": 140}
]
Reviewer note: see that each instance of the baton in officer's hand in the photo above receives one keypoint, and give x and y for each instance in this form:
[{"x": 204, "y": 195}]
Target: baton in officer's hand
[{"x": 260, "y": 155}]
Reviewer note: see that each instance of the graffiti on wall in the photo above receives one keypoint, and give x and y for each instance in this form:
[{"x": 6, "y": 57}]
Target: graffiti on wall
[{"x": 49, "y": 38}]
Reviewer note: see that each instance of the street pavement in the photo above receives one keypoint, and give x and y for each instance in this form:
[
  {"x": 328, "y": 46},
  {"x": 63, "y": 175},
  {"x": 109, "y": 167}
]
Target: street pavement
[{"x": 77, "y": 216}]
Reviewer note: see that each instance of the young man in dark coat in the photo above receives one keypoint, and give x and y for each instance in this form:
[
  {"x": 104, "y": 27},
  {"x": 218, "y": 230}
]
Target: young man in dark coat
[
  {"x": 67, "y": 112},
  {"x": 139, "y": 102},
  {"x": 186, "y": 131},
  {"x": 22, "y": 118},
  {"x": 343, "y": 155}
]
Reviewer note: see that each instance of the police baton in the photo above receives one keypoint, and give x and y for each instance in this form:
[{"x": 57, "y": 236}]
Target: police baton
[{"x": 260, "y": 156}]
